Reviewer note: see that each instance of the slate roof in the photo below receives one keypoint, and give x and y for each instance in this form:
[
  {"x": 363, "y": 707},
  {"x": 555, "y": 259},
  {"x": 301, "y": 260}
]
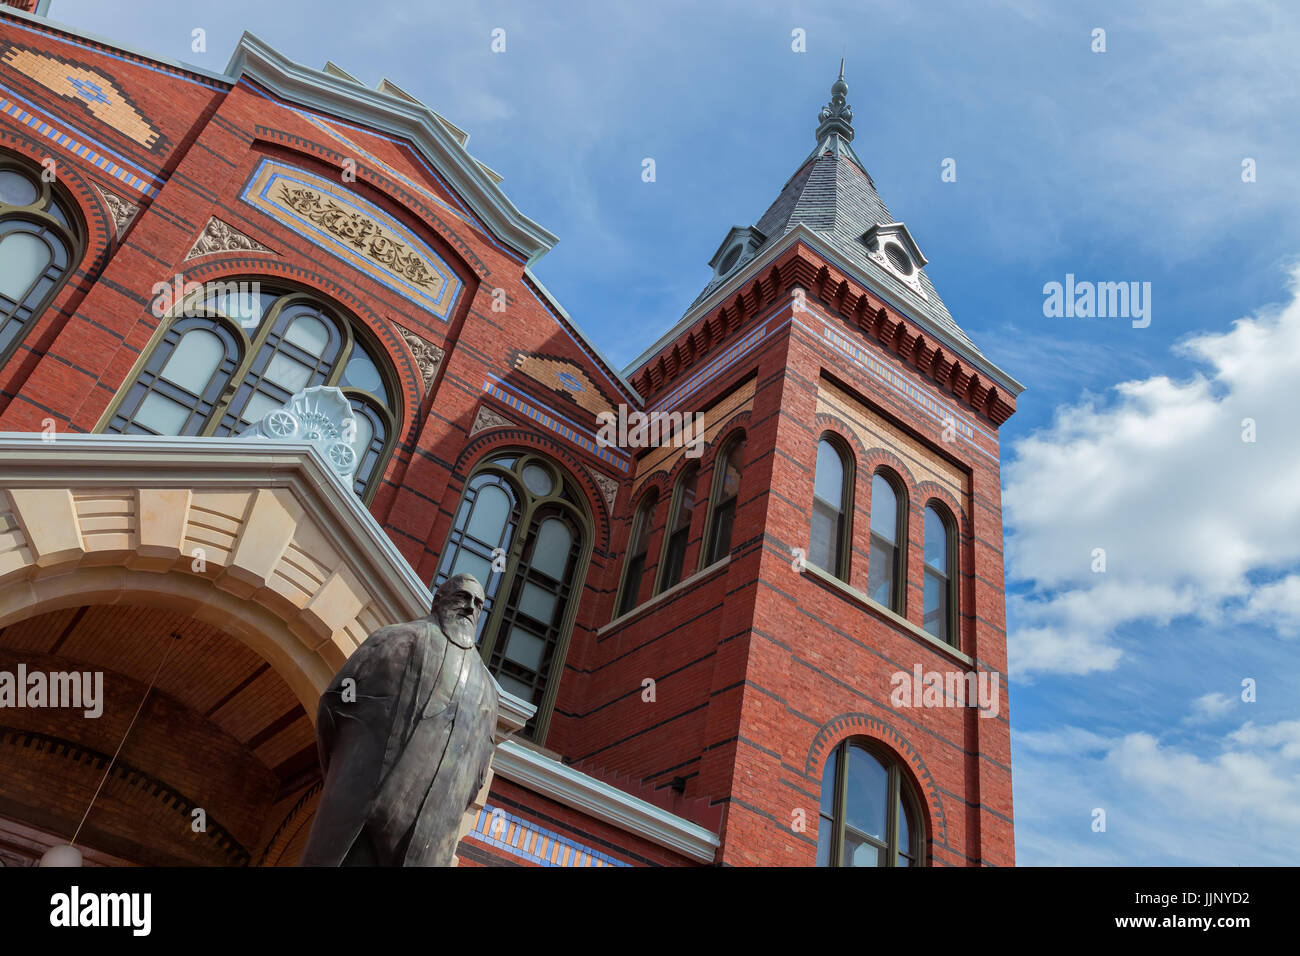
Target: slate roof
[{"x": 833, "y": 194}]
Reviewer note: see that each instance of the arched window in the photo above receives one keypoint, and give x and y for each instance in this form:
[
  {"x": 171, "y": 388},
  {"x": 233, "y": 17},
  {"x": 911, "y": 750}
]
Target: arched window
[
  {"x": 940, "y": 604},
  {"x": 868, "y": 815},
  {"x": 39, "y": 246},
  {"x": 886, "y": 572},
  {"x": 722, "y": 510},
  {"x": 831, "y": 506},
  {"x": 236, "y": 350},
  {"x": 636, "y": 552},
  {"x": 679, "y": 528},
  {"x": 521, "y": 530}
]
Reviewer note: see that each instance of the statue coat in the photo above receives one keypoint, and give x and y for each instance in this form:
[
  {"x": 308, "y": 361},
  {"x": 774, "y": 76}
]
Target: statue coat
[{"x": 404, "y": 761}]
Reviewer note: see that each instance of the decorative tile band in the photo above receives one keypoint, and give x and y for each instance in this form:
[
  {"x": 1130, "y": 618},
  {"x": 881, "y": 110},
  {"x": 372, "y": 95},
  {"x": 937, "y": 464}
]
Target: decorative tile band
[
  {"x": 525, "y": 839},
  {"x": 77, "y": 147},
  {"x": 556, "y": 423},
  {"x": 356, "y": 231},
  {"x": 730, "y": 355}
]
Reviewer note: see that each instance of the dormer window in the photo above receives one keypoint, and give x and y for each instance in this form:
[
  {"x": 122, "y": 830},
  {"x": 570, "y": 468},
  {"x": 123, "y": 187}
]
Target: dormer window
[
  {"x": 732, "y": 257},
  {"x": 891, "y": 246},
  {"x": 739, "y": 246}
]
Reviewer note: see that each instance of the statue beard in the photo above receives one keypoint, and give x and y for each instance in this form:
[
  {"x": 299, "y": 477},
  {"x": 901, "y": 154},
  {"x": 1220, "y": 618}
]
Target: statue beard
[{"x": 458, "y": 628}]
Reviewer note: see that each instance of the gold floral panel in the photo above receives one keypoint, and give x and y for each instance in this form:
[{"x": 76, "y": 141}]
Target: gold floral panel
[{"x": 357, "y": 231}]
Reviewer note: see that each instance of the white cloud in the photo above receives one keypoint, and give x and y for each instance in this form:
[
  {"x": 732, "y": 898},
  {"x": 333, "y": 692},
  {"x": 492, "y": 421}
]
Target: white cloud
[
  {"x": 1210, "y": 706},
  {"x": 1159, "y": 476}
]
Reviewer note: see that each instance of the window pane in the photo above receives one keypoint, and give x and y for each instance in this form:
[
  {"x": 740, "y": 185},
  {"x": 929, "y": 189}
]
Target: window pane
[
  {"x": 825, "y": 834},
  {"x": 686, "y": 502},
  {"x": 722, "y": 523},
  {"x": 867, "y": 797},
  {"x": 365, "y": 432},
  {"x": 859, "y": 852},
  {"x": 516, "y": 687},
  {"x": 290, "y": 374},
  {"x": 828, "y": 783},
  {"x": 936, "y": 605},
  {"x": 824, "y": 546},
  {"x": 936, "y": 541},
  {"x": 310, "y": 334},
  {"x": 162, "y": 415},
  {"x": 360, "y": 372},
  {"x": 828, "y": 485},
  {"x": 469, "y": 563},
  {"x": 538, "y": 480},
  {"x": 904, "y": 832},
  {"x": 551, "y": 553},
  {"x": 491, "y": 511},
  {"x": 525, "y": 649},
  {"x": 537, "y": 602},
  {"x": 23, "y": 257},
  {"x": 884, "y": 509},
  {"x": 880, "y": 574},
  {"x": 258, "y": 406},
  {"x": 731, "y": 477},
  {"x": 16, "y": 189},
  {"x": 194, "y": 360}
]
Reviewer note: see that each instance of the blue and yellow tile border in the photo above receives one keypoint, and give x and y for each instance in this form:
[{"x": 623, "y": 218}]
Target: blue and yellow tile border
[{"x": 534, "y": 843}]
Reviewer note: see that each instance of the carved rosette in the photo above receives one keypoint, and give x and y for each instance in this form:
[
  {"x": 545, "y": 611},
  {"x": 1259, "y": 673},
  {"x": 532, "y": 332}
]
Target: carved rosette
[
  {"x": 121, "y": 210},
  {"x": 218, "y": 236},
  {"x": 486, "y": 418},
  {"x": 608, "y": 488},
  {"x": 320, "y": 415},
  {"x": 427, "y": 356}
]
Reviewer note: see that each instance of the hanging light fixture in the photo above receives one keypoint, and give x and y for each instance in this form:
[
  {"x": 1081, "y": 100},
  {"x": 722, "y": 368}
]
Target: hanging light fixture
[{"x": 67, "y": 854}]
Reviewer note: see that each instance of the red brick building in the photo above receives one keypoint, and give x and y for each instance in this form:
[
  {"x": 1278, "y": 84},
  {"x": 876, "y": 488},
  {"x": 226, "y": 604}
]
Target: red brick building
[{"x": 747, "y": 647}]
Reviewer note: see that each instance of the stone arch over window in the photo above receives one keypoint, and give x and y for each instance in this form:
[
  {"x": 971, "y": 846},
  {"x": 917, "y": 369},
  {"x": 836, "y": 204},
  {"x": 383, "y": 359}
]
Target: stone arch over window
[
  {"x": 41, "y": 242},
  {"x": 233, "y": 350},
  {"x": 724, "y": 498},
  {"x": 523, "y": 530},
  {"x": 831, "y": 535},
  {"x": 864, "y": 726}
]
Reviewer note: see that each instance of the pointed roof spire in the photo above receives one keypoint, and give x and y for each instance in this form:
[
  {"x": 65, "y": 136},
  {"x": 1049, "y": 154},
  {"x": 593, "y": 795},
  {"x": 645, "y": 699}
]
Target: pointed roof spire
[{"x": 837, "y": 116}]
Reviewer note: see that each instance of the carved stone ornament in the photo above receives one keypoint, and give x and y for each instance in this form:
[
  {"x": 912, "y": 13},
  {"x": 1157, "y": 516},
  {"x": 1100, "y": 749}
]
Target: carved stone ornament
[
  {"x": 427, "y": 356},
  {"x": 486, "y": 418},
  {"x": 608, "y": 487},
  {"x": 320, "y": 415},
  {"x": 121, "y": 210},
  {"x": 218, "y": 236}
]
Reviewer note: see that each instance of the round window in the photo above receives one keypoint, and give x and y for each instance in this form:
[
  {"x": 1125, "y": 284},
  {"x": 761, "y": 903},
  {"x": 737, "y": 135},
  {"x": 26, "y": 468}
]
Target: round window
[
  {"x": 538, "y": 479},
  {"x": 729, "y": 262},
  {"x": 898, "y": 258}
]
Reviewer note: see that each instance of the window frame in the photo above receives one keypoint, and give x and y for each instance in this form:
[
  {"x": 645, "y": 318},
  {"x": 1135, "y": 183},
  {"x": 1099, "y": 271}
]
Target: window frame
[
  {"x": 848, "y": 474},
  {"x": 531, "y": 509},
  {"x": 708, "y": 543},
  {"x": 197, "y": 307},
  {"x": 71, "y": 234},
  {"x": 950, "y": 582},
  {"x": 900, "y": 795},
  {"x": 898, "y": 597},
  {"x": 644, "y": 515},
  {"x": 692, "y": 469}
]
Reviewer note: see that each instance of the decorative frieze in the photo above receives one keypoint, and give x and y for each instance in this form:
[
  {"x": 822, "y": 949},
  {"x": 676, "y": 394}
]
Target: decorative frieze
[
  {"x": 486, "y": 418},
  {"x": 428, "y": 357},
  {"x": 218, "y": 236},
  {"x": 121, "y": 210}
]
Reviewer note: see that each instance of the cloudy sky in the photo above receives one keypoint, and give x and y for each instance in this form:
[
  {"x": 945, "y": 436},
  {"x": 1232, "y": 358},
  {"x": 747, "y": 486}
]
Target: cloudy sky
[{"x": 1122, "y": 165}]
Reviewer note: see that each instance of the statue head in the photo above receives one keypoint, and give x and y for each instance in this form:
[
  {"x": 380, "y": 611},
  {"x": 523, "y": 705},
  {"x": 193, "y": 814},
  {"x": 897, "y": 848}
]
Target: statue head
[{"x": 456, "y": 607}]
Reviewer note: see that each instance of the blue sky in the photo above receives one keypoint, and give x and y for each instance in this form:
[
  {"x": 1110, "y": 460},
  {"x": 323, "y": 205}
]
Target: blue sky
[{"x": 1117, "y": 166}]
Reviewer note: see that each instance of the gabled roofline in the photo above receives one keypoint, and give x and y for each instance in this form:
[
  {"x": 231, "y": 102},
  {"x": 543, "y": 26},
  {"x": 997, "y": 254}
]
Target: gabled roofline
[
  {"x": 256, "y": 60},
  {"x": 802, "y": 233},
  {"x": 884, "y": 228}
]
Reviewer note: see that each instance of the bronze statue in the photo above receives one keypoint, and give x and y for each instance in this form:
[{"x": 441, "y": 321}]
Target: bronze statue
[{"x": 405, "y": 732}]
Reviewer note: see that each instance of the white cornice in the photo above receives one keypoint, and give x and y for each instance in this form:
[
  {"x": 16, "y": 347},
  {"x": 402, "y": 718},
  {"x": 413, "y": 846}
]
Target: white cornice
[
  {"x": 802, "y": 233},
  {"x": 255, "y": 60},
  {"x": 74, "y": 460},
  {"x": 584, "y": 793}
]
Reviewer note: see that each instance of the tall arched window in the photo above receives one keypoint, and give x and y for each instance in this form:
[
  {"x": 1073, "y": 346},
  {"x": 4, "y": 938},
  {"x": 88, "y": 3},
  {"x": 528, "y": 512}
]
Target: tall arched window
[
  {"x": 940, "y": 603},
  {"x": 237, "y": 350},
  {"x": 868, "y": 815},
  {"x": 722, "y": 509},
  {"x": 39, "y": 246},
  {"x": 831, "y": 506},
  {"x": 521, "y": 529},
  {"x": 679, "y": 528},
  {"x": 886, "y": 570},
  {"x": 634, "y": 570}
]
